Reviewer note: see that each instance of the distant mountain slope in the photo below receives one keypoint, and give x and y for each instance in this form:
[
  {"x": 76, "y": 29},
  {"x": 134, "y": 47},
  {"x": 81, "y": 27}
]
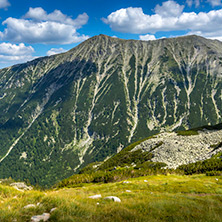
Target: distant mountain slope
[
  {"x": 175, "y": 150},
  {"x": 61, "y": 112},
  {"x": 169, "y": 150}
]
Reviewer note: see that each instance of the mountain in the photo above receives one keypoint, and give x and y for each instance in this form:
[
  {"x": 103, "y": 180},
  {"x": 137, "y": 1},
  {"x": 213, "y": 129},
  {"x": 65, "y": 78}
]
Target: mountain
[{"x": 60, "y": 113}]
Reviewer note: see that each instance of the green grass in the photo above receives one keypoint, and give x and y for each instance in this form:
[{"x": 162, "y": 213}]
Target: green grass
[
  {"x": 187, "y": 133},
  {"x": 161, "y": 198},
  {"x": 125, "y": 157}
]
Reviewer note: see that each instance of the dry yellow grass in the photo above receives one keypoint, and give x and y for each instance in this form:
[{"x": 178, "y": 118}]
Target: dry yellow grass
[{"x": 161, "y": 198}]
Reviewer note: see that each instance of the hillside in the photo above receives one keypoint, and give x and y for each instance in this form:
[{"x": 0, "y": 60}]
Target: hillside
[
  {"x": 62, "y": 112},
  {"x": 152, "y": 198}
]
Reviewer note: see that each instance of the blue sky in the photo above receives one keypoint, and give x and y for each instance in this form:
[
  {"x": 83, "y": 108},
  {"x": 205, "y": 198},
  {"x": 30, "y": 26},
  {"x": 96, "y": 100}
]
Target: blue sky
[{"x": 29, "y": 29}]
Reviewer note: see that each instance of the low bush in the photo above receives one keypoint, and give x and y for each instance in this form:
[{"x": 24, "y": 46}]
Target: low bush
[{"x": 214, "y": 173}]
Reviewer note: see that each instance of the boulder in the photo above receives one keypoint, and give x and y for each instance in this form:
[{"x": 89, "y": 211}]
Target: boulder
[{"x": 21, "y": 186}]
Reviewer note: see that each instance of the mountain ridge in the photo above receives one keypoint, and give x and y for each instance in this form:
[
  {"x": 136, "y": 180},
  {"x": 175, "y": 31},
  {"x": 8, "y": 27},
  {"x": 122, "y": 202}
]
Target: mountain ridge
[{"x": 64, "y": 111}]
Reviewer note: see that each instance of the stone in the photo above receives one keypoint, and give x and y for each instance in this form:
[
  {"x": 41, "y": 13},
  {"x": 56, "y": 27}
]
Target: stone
[
  {"x": 115, "y": 199},
  {"x": 53, "y": 209},
  {"x": 43, "y": 217}
]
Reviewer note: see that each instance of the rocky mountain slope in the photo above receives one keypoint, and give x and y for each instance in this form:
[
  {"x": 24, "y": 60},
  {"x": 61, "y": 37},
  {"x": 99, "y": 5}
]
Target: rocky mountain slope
[
  {"x": 175, "y": 150},
  {"x": 61, "y": 112}
]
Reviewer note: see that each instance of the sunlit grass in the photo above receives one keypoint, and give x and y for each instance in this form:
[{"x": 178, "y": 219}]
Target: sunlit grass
[{"x": 152, "y": 198}]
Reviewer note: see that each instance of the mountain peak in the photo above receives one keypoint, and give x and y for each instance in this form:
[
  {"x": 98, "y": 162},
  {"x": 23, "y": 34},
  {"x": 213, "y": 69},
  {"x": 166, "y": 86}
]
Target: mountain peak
[{"x": 62, "y": 112}]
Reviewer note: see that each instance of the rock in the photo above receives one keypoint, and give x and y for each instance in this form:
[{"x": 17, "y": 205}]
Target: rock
[
  {"x": 145, "y": 181},
  {"x": 43, "y": 217},
  {"x": 29, "y": 206},
  {"x": 21, "y": 186},
  {"x": 95, "y": 196},
  {"x": 115, "y": 199},
  {"x": 53, "y": 209},
  {"x": 128, "y": 191}
]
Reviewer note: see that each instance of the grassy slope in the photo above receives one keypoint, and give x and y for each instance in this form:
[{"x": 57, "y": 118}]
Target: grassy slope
[{"x": 162, "y": 198}]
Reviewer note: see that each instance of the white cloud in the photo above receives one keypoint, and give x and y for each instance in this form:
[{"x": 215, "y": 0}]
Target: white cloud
[
  {"x": 214, "y": 2},
  {"x": 54, "y": 51},
  {"x": 40, "y": 14},
  {"x": 133, "y": 20},
  {"x": 39, "y": 27},
  {"x": 169, "y": 9},
  {"x": 4, "y": 3},
  {"x": 147, "y": 37},
  {"x": 15, "y": 53}
]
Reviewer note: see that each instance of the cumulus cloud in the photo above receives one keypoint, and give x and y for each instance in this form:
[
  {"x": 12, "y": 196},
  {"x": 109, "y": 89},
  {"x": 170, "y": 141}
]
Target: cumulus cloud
[
  {"x": 39, "y": 27},
  {"x": 54, "y": 51},
  {"x": 169, "y": 9},
  {"x": 133, "y": 20},
  {"x": 147, "y": 37},
  {"x": 15, "y": 53},
  {"x": 4, "y": 3}
]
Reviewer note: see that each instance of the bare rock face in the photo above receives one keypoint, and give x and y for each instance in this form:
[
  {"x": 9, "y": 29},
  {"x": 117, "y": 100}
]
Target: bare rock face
[{"x": 175, "y": 150}]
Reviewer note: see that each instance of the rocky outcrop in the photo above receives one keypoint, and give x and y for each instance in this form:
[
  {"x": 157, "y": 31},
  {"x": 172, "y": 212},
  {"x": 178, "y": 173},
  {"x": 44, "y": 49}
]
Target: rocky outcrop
[
  {"x": 175, "y": 150},
  {"x": 21, "y": 186}
]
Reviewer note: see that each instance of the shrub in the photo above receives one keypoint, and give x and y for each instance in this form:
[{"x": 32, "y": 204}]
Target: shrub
[{"x": 214, "y": 173}]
